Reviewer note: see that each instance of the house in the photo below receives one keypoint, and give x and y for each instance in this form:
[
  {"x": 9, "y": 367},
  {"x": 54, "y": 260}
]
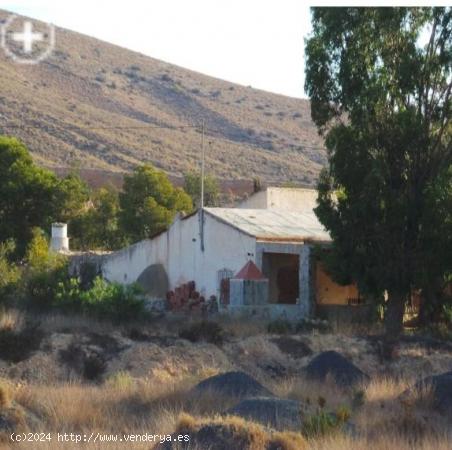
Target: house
[{"x": 275, "y": 229}]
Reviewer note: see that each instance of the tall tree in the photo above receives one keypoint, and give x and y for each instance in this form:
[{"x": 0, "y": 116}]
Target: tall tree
[
  {"x": 149, "y": 202},
  {"x": 379, "y": 80},
  {"x": 192, "y": 185},
  {"x": 27, "y": 194},
  {"x": 97, "y": 227}
]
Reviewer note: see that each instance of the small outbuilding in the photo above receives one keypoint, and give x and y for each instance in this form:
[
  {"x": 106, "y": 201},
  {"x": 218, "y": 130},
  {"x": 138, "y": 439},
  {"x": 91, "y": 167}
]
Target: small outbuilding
[{"x": 248, "y": 288}]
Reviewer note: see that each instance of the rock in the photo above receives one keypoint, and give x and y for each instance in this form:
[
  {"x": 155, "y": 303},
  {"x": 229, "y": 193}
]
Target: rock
[
  {"x": 276, "y": 413},
  {"x": 441, "y": 391},
  {"x": 339, "y": 368},
  {"x": 237, "y": 384}
]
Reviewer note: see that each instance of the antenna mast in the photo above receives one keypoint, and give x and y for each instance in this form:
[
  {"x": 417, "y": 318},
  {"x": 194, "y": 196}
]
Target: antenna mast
[{"x": 203, "y": 154}]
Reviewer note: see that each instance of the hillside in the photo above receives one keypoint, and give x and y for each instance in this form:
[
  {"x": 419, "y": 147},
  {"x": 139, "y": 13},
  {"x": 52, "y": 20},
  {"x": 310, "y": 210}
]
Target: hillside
[{"x": 105, "y": 107}]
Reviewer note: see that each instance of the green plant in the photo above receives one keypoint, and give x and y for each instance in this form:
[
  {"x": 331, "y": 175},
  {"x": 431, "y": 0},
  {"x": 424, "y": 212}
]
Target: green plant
[
  {"x": 388, "y": 214},
  {"x": 279, "y": 326},
  {"x": 42, "y": 286},
  {"x": 114, "y": 301},
  {"x": 203, "y": 331},
  {"x": 319, "y": 424},
  {"x": 68, "y": 295},
  {"x": 149, "y": 202},
  {"x": 9, "y": 272}
]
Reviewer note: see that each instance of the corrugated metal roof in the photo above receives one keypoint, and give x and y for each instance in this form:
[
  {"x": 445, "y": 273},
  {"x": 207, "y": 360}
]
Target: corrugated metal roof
[{"x": 273, "y": 224}]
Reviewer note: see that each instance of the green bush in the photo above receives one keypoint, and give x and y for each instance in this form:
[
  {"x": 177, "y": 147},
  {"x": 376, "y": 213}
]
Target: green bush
[
  {"x": 43, "y": 273},
  {"x": 324, "y": 423},
  {"x": 9, "y": 272},
  {"x": 41, "y": 286},
  {"x": 113, "y": 300},
  {"x": 279, "y": 326},
  {"x": 68, "y": 295}
]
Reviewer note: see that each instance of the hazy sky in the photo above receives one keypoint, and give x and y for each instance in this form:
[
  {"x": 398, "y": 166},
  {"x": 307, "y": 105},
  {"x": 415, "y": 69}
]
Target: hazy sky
[{"x": 251, "y": 42}]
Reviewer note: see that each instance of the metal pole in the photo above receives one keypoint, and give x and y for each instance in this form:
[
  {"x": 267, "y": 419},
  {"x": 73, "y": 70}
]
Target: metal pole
[{"x": 202, "y": 163}]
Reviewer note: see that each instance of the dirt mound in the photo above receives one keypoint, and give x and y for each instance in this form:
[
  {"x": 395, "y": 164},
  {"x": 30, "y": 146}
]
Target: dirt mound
[
  {"x": 276, "y": 413},
  {"x": 333, "y": 364},
  {"x": 236, "y": 384}
]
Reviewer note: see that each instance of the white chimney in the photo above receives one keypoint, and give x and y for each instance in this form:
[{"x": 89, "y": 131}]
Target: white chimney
[{"x": 59, "y": 241}]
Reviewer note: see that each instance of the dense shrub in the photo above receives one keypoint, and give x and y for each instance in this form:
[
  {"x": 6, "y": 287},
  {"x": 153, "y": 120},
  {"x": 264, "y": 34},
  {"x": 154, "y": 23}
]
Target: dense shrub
[
  {"x": 89, "y": 365},
  {"x": 279, "y": 326},
  {"x": 44, "y": 272},
  {"x": 9, "y": 272},
  {"x": 203, "y": 331},
  {"x": 41, "y": 286},
  {"x": 113, "y": 300},
  {"x": 18, "y": 345},
  {"x": 94, "y": 367},
  {"x": 324, "y": 422}
]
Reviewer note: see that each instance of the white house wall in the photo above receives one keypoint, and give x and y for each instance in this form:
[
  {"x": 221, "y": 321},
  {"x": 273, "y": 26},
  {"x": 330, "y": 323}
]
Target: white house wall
[
  {"x": 179, "y": 251},
  {"x": 288, "y": 199}
]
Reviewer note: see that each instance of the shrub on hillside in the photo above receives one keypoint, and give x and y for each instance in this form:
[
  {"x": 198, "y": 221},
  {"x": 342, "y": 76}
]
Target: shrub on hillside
[{"x": 205, "y": 331}]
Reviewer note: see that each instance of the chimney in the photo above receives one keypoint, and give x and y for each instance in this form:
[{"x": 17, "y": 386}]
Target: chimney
[{"x": 59, "y": 241}]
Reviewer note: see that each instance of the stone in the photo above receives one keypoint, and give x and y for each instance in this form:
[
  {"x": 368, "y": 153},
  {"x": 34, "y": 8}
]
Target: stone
[
  {"x": 276, "y": 413},
  {"x": 333, "y": 364},
  {"x": 237, "y": 384}
]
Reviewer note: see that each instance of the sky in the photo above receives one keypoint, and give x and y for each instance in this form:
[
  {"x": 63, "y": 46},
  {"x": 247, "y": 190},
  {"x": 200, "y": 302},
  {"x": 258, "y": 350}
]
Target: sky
[{"x": 250, "y": 42}]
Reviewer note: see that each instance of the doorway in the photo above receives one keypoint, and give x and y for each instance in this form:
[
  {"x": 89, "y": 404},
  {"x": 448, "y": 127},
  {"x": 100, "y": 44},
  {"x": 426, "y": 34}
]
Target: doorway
[{"x": 282, "y": 271}]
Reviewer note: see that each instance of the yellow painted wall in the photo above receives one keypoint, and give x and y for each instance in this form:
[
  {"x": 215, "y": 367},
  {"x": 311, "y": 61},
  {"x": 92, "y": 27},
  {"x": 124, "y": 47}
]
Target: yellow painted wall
[{"x": 330, "y": 293}]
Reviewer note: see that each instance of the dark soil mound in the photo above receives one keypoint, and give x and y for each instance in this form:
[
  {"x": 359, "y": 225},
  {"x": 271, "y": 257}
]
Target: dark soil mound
[
  {"x": 273, "y": 412},
  {"x": 237, "y": 384},
  {"x": 336, "y": 366}
]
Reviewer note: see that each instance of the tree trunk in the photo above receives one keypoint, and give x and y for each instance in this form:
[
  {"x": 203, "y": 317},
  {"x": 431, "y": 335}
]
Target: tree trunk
[{"x": 393, "y": 322}]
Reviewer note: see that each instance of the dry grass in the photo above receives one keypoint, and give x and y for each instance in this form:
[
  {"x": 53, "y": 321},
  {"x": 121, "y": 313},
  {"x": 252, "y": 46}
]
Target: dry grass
[
  {"x": 160, "y": 400},
  {"x": 243, "y": 434},
  {"x": 383, "y": 420}
]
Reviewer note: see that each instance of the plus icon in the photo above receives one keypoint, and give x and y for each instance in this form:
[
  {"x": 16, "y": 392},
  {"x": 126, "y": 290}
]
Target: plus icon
[{"x": 28, "y": 37}]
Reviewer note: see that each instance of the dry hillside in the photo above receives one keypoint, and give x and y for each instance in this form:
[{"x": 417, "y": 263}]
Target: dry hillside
[{"x": 87, "y": 85}]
